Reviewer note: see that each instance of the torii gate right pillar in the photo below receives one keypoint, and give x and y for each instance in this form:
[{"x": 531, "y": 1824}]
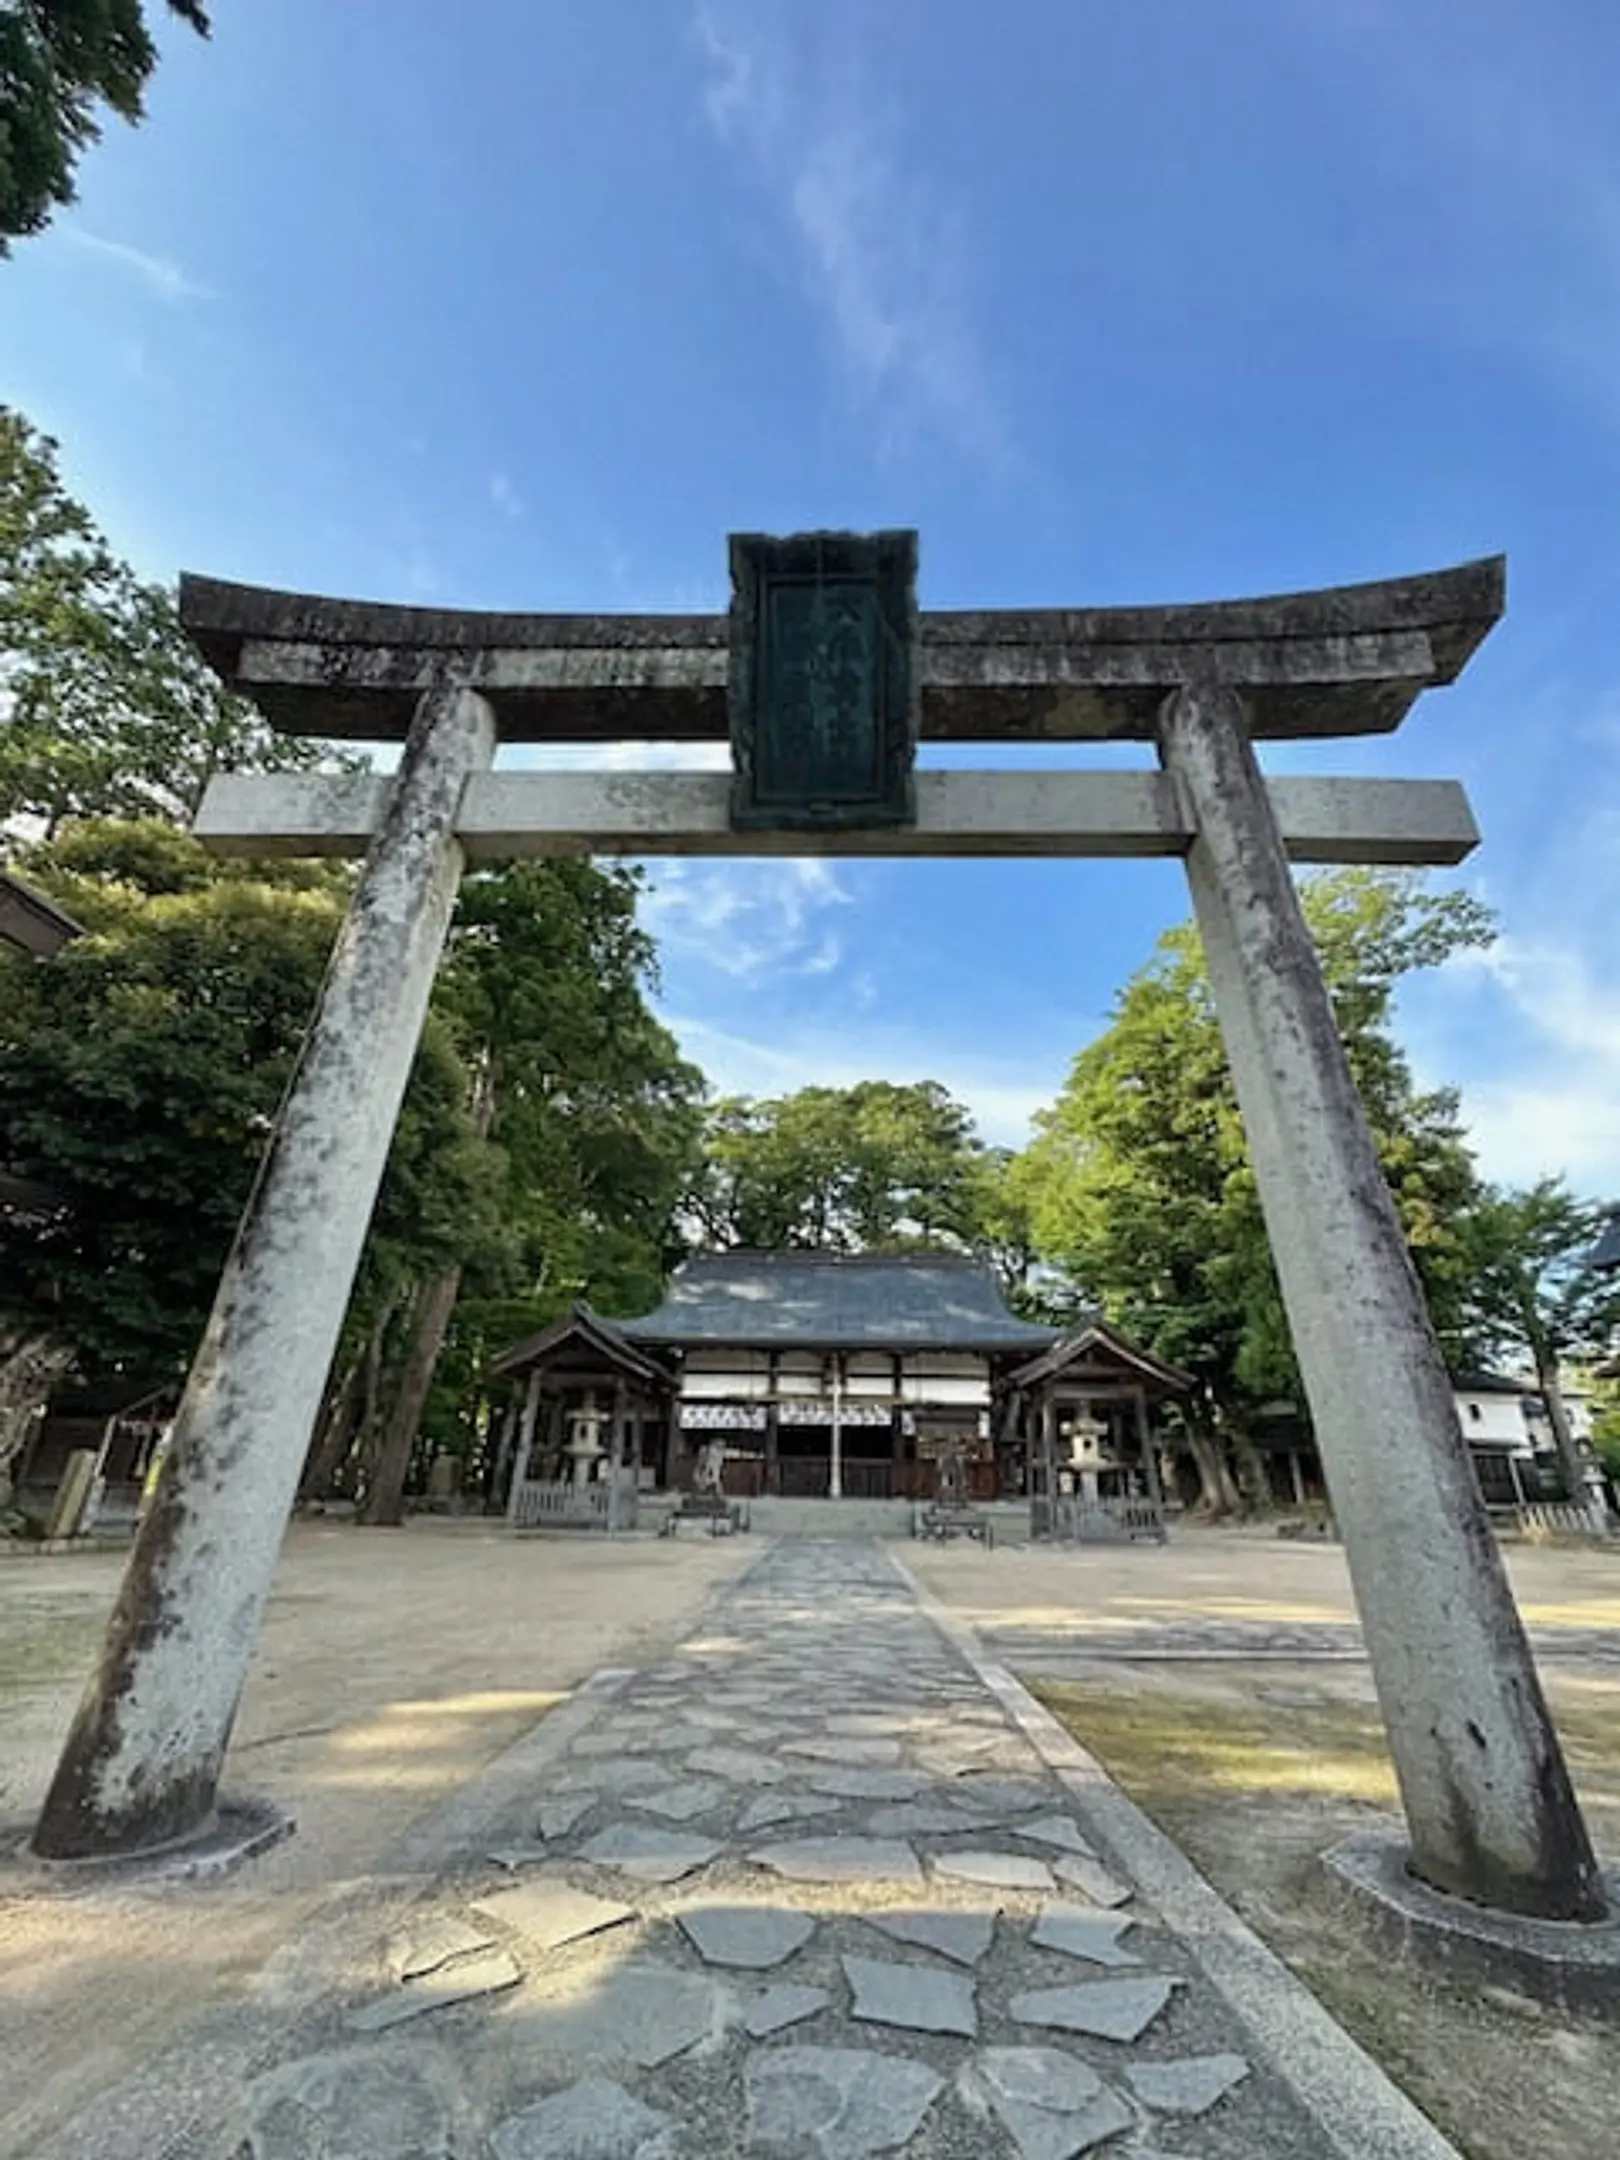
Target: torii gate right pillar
[{"x": 1489, "y": 1807}]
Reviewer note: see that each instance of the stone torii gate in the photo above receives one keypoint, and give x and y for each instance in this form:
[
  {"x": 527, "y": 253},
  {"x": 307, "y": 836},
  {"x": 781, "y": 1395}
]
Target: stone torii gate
[{"x": 855, "y": 674}]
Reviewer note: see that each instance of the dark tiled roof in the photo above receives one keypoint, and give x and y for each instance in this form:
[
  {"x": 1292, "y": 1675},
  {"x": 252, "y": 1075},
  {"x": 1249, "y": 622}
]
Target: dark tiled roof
[
  {"x": 31, "y": 922},
  {"x": 1096, "y": 1341},
  {"x": 840, "y": 1300},
  {"x": 1485, "y": 1383},
  {"x": 588, "y": 1331},
  {"x": 1606, "y": 1252}
]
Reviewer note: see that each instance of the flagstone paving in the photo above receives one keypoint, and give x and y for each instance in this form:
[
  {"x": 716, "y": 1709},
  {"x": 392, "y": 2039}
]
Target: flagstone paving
[{"x": 784, "y": 1970}]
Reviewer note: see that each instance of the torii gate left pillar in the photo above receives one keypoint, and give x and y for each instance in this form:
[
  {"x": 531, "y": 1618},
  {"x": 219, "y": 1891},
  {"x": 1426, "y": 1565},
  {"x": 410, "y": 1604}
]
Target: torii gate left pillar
[
  {"x": 1489, "y": 1805},
  {"x": 142, "y": 1762}
]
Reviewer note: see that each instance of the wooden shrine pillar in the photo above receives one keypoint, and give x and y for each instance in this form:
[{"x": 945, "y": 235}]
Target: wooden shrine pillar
[
  {"x": 1150, "y": 1460},
  {"x": 771, "y": 1470}
]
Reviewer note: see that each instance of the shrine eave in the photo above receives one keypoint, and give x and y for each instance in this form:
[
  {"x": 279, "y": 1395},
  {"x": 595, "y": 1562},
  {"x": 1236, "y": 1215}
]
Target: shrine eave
[{"x": 1347, "y": 660}]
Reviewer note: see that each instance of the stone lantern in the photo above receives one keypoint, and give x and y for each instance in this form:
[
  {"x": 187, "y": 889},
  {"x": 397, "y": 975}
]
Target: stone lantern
[
  {"x": 1085, "y": 1435},
  {"x": 584, "y": 1447}
]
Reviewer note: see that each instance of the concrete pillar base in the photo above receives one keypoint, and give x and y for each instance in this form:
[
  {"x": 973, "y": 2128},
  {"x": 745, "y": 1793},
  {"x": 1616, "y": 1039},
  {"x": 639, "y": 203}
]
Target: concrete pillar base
[
  {"x": 1570, "y": 1965},
  {"x": 237, "y": 1831}
]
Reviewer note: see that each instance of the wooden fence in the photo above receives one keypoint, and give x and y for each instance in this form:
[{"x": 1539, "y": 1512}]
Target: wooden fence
[
  {"x": 1071, "y": 1521},
  {"x": 560, "y": 1504},
  {"x": 1552, "y": 1518}
]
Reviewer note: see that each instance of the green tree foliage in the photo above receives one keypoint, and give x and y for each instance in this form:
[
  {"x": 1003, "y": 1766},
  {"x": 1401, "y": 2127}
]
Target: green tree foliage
[
  {"x": 594, "y": 1110},
  {"x": 551, "y": 1123},
  {"x": 1138, "y": 1183},
  {"x": 139, "y": 1074},
  {"x": 591, "y": 1117},
  {"x": 878, "y": 1165},
  {"x": 1529, "y": 1293},
  {"x": 60, "y": 62},
  {"x": 106, "y": 707}
]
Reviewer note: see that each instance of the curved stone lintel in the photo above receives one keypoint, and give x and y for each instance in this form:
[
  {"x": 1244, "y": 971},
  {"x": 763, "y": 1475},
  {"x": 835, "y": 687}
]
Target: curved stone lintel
[{"x": 1345, "y": 660}]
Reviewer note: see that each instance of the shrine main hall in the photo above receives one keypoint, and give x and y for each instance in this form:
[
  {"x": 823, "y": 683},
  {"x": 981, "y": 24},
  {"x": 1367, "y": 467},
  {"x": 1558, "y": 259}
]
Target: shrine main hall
[{"x": 816, "y": 1375}]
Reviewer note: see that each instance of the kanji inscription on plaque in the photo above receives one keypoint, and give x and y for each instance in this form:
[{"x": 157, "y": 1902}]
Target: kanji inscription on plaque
[{"x": 823, "y": 680}]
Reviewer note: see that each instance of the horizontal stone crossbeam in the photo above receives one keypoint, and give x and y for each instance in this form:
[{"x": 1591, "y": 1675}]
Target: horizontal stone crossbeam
[
  {"x": 1347, "y": 660},
  {"x": 520, "y": 814}
]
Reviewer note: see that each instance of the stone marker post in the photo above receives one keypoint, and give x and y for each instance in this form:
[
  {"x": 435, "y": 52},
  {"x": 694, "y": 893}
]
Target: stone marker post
[
  {"x": 1489, "y": 1807},
  {"x": 142, "y": 1761}
]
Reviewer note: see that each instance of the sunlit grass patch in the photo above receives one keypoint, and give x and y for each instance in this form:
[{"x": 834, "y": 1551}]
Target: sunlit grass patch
[{"x": 1168, "y": 1748}]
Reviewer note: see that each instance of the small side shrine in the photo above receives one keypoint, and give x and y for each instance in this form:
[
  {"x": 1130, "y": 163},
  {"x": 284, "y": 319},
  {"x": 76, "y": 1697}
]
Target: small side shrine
[
  {"x": 1083, "y": 1409},
  {"x": 576, "y": 1434}
]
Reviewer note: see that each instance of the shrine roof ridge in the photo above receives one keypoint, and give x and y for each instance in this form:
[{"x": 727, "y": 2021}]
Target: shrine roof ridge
[{"x": 1336, "y": 660}]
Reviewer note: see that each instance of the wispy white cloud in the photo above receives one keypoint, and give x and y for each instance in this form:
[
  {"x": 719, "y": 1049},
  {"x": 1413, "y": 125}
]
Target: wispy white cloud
[
  {"x": 160, "y": 274},
  {"x": 1553, "y": 1105},
  {"x": 748, "y": 919},
  {"x": 504, "y": 495},
  {"x": 880, "y": 251},
  {"x": 1530, "y": 1028},
  {"x": 1002, "y": 1097}
]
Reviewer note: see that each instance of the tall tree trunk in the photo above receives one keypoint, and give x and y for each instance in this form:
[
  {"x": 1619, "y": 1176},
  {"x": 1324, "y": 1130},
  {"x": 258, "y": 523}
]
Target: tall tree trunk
[
  {"x": 1570, "y": 1459},
  {"x": 1253, "y": 1475},
  {"x": 334, "y": 1437},
  {"x": 385, "y": 1503},
  {"x": 1218, "y": 1494}
]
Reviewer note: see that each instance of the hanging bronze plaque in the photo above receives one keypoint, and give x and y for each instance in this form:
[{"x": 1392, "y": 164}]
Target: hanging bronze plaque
[{"x": 823, "y": 681}]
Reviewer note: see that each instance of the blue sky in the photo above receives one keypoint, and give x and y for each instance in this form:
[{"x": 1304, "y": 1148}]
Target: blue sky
[{"x": 527, "y": 306}]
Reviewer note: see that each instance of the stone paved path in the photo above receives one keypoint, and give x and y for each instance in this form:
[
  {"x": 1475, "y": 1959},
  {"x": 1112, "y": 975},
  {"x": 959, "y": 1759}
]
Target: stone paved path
[{"x": 806, "y": 1890}]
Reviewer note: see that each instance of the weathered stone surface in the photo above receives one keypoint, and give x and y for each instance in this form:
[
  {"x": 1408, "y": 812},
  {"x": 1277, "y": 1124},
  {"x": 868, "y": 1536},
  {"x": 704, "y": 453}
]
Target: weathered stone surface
[
  {"x": 1188, "y": 2087},
  {"x": 431, "y": 1942},
  {"x": 1044, "y": 2077},
  {"x": 1061, "y": 1831},
  {"x": 1107, "y": 2009},
  {"x": 643, "y": 2014},
  {"x": 923, "y": 1818},
  {"x": 962, "y": 1936},
  {"x": 524, "y": 1853},
  {"x": 621, "y": 1774},
  {"x": 995, "y": 1870},
  {"x": 853, "y": 1750},
  {"x": 1093, "y": 1880},
  {"x": 556, "y": 1818},
  {"x": 869, "y": 1784},
  {"x": 141, "y": 1762},
  {"x": 1078, "y": 1933},
  {"x": 919, "y": 1998},
  {"x": 740, "y": 1766},
  {"x": 551, "y": 1912},
  {"x": 1052, "y": 2105},
  {"x": 593, "y": 2120},
  {"x": 355, "y": 2104},
  {"x": 1002, "y": 1795},
  {"x": 750, "y": 1936},
  {"x": 681, "y": 1802},
  {"x": 779, "y": 2007},
  {"x": 835, "y": 2103},
  {"x": 436, "y": 1991},
  {"x": 841, "y": 1860},
  {"x": 332, "y": 668},
  {"x": 611, "y": 1742},
  {"x": 648, "y": 1853},
  {"x": 779, "y": 1807}
]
